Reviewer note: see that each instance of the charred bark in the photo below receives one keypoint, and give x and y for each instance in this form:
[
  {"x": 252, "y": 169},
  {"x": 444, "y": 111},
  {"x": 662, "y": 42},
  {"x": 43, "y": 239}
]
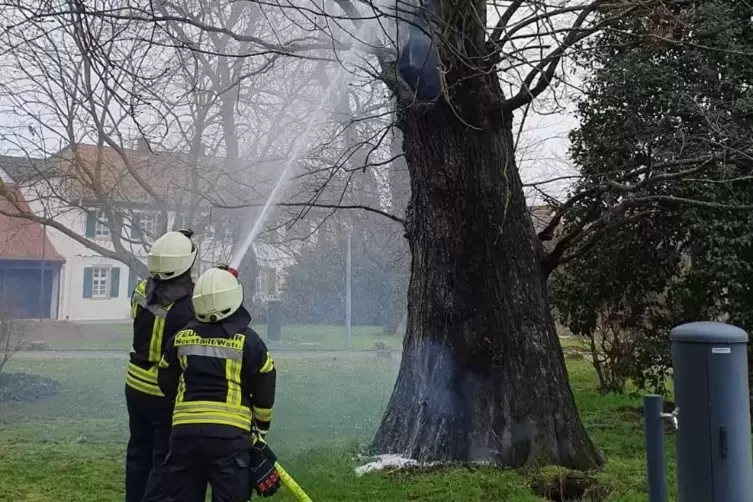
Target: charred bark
[{"x": 482, "y": 376}]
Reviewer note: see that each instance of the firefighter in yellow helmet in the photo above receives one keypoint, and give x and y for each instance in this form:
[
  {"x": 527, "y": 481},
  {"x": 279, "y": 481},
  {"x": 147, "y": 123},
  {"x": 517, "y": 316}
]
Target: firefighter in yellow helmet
[
  {"x": 223, "y": 378},
  {"x": 160, "y": 306}
]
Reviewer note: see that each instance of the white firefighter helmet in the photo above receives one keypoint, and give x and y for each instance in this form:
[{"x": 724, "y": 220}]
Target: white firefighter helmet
[
  {"x": 171, "y": 255},
  {"x": 218, "y": 294}
]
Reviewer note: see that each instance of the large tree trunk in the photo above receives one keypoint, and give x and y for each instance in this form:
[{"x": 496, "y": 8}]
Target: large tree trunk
[{"x": 482, "y": 376}]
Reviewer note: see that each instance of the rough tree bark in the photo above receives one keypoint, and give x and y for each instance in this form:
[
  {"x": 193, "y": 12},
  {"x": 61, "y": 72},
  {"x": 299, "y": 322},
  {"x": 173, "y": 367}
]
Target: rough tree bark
[{"x": 482, "y": 375}]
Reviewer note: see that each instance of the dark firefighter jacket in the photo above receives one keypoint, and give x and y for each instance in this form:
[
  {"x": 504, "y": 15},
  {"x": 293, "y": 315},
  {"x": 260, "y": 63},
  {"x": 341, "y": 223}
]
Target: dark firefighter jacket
[
  {"x": 221, "y": 374},
  {"x": 159, "y": 310}
]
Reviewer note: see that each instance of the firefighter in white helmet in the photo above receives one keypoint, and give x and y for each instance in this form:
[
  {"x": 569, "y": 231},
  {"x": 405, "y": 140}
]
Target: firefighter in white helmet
[
  {"x": 223, "y": 409},
  {"x": 160, "y": 306}
]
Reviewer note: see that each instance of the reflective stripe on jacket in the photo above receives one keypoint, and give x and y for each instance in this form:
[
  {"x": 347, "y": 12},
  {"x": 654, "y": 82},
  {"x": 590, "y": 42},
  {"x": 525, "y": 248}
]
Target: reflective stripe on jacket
[
  {"x": 219, "y": 378},
  {"x": 153, "y": 326}
]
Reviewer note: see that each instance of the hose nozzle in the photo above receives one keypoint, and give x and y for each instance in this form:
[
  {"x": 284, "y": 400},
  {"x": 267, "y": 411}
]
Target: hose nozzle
[{"x": 229, "y": 269}]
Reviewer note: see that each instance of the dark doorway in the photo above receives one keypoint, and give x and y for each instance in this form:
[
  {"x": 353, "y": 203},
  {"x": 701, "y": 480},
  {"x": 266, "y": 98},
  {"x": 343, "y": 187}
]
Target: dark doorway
[{"x": 27, "y": 288}]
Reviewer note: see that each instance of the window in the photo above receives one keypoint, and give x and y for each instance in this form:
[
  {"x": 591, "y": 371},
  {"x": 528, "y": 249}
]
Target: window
[
  {"x": 146, "y": 223},
  {"x": 100, "y": 282},
  {"x": 101, "y": 229}
]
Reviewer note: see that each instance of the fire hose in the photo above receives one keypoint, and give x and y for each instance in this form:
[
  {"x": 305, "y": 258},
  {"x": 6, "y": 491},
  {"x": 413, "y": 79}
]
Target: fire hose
[
  {"x": 291, "y": 485},
  {"x": 286, "y": 479}
]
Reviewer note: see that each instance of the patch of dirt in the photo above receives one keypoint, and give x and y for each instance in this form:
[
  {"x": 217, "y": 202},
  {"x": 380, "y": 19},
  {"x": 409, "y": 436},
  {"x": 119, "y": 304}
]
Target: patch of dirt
[
  {"x": 569, "y": 487},
  {"x": 25, "y": 388}
]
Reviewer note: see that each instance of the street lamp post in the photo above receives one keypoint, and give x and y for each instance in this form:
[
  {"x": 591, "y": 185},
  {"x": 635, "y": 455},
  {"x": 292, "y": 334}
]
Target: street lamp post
[{"x": 348, "y": 266}]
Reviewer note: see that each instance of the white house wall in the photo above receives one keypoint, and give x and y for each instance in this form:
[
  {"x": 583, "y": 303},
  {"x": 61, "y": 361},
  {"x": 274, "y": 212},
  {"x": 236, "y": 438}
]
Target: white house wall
[
  {"x": 71, "y": 304},
  {"x": 79, "y": 308}
]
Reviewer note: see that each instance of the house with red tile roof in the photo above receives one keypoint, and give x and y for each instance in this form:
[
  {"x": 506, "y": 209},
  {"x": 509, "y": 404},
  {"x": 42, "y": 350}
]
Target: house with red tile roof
[
  {"x": 68, "y": 190},
  {"x": 93, "y": 196},
  {"x": 30, "y": 266}
]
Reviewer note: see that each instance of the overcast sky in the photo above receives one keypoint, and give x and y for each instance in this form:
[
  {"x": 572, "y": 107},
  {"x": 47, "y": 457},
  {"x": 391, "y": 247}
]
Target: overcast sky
[{"x": 542, "y": 152}]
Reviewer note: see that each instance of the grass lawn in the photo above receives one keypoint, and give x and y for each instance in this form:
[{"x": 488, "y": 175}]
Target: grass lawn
[
  {"x": 105, "y": 336},
  {"x": 70, "y": 447}
]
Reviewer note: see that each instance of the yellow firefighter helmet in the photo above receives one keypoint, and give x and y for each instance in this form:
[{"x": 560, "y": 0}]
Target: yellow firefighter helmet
[
  {"x": 171, "y": 255},
  {"x": 218, "y": 294}
]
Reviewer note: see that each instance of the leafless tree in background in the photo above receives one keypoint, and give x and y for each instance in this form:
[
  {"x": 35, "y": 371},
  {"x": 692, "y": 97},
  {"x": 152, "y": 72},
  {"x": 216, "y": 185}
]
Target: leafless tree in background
[
  {"x": 116, "y": 121},
  {"x": 482, "y": 375},
  {"x": 12, "y": 333},
  {"x": 77, "y": 120}
]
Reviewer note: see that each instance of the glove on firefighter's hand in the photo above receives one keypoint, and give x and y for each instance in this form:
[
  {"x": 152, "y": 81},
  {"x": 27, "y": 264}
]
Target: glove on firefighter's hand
[
  {"x": 264, "y": 476},
  {"x": 187, "y": 232}
]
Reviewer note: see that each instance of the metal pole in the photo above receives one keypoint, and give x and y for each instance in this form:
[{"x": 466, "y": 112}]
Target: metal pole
[
  {"x": 653, "y": 407},
  {"x": 348, "y": 328},
  {"x": 41, "y": 275}
]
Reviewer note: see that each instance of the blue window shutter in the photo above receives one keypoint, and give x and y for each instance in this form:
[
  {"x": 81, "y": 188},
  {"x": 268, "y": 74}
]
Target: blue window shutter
[
  {"x": 133, "y": 280},
  {"x": 114, "y": 282},
  {"x": 88, "y": 282},
  {"x": 91, "y": 226},
  {"x": 136, "y": 226}
]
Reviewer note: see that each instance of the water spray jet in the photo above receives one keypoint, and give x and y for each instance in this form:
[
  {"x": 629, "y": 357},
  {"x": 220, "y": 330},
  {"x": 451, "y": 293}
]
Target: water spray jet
[{"x": 299, "y": 147}]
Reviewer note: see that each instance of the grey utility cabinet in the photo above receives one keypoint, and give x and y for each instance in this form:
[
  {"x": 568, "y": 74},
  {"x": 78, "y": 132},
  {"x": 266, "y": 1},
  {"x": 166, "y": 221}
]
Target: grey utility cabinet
[{"x": 711, "y": 392}]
